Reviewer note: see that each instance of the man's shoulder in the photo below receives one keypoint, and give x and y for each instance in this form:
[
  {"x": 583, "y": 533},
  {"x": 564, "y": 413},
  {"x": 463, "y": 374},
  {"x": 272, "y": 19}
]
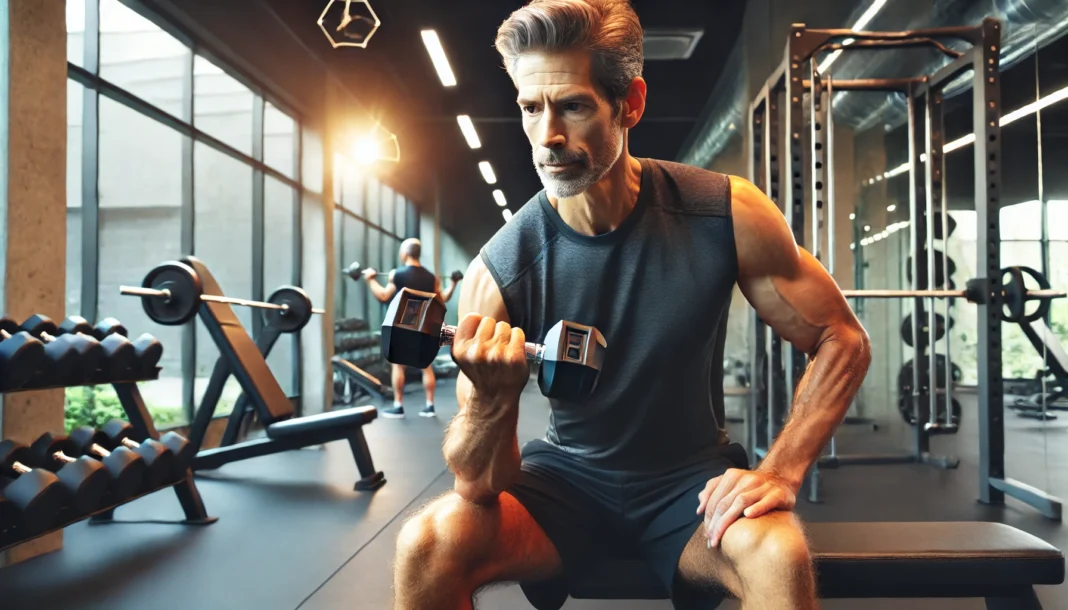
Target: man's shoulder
[
  {"x": 519, "y": 243},
  {"x": 687, "y": 189}
]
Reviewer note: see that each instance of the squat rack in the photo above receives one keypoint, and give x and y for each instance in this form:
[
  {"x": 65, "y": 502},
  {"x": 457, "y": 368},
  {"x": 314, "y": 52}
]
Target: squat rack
[{"x": 798, "y": 75}]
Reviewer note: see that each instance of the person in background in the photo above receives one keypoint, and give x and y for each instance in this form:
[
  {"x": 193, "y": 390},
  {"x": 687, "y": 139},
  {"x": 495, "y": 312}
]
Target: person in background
[{"x": 411, "y": 274}]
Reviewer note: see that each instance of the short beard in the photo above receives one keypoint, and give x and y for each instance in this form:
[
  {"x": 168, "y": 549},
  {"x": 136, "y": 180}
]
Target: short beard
[{"x": 573, "y": 184}]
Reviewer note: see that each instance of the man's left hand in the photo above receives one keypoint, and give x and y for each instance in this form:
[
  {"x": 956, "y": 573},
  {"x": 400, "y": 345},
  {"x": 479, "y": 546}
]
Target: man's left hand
[{"x": 737, "y": 493}]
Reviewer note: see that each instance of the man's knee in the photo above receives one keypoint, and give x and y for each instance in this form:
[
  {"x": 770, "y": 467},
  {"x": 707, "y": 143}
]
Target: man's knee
[
  {"x": 449, "y": 534},
  {"x": 774, "y": 541}
]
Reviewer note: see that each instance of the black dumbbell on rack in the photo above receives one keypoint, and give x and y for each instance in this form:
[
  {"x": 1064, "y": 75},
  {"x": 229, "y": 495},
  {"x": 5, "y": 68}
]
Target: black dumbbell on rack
[
  {"x": 161, "y": 460},
  {"x": 120, "y": 361},
  {"x": 60, "y": 357},
  {"x": 74, "y": 359},
  {"x": 127, "y": 469},
  {"x": 21, "y": 357},
  {"x": 85, "y": 479},
  {"x": 31, "y": 497},
  {"x": 147, "y": 349}
]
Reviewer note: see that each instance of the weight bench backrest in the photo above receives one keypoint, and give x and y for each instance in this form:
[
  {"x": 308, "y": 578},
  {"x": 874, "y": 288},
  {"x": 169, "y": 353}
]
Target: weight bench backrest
[
  {"x": 1049, "y": 346},
  {"x": 235, "y": 344}
]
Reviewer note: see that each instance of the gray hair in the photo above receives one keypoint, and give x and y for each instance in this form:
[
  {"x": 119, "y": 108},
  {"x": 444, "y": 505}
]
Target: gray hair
[
  {"x": 411, "y": 247},
  {"x": 608, "y": 29}
]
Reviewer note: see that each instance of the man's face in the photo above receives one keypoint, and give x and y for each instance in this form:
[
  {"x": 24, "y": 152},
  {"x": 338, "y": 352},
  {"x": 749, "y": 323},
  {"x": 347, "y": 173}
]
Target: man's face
[{"x": 575, "y": 133}]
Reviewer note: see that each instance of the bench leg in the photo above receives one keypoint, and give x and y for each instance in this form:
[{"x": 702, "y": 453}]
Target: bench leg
[
  {"x": 1026, "y": 600},
  {"x": 372, "y": 479}
]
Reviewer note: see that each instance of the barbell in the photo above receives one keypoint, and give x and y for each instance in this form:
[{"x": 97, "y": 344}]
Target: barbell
[
  {"x": 1015, "y": 294},
  {"x": 172, "y": 292}
]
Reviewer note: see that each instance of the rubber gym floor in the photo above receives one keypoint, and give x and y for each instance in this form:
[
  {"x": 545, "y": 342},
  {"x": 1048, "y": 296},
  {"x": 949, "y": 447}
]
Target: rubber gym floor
[{"x": 292, "y": 533}]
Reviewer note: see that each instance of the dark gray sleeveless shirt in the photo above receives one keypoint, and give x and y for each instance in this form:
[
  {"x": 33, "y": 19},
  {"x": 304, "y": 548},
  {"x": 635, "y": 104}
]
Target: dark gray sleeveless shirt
[{"x": 658, "y": 287}]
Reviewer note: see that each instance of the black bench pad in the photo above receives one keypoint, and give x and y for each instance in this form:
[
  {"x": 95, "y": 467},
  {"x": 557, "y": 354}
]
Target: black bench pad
[
  {"x": 894, "y": 559},
  {"x": 341, "y": 421}
]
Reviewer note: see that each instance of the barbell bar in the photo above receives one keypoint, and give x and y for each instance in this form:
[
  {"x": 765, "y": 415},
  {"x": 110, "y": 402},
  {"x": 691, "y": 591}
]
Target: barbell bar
[
  {"x": 166, "y": 294},
  {"x": 941, "y": 294}
]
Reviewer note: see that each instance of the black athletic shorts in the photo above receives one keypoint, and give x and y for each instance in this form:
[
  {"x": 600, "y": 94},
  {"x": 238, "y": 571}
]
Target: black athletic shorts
[{"x": 590, "y": 514}]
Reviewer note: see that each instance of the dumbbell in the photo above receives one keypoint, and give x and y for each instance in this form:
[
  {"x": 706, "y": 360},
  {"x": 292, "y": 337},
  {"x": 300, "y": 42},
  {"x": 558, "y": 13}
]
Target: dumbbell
[
  {"x": 127, "y": 468},
  {"x": 569, "y": 361},
  {"x": 161, "y": 460},
  {"x": 60, "y": 357},
  {"x": 147, "y": 348},
  {"x": 123, "y": 361},
  {"x": 85, "y": 479},
  {"x": 34, "y": 496},
  {"x": 21, "y": 356},
  {"x": 76, "y": 358}
]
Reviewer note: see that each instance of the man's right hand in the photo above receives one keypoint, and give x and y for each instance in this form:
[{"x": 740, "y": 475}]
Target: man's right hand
[
  {"x": 491, "y": 355},
  {"x": 369, "y": 274}
]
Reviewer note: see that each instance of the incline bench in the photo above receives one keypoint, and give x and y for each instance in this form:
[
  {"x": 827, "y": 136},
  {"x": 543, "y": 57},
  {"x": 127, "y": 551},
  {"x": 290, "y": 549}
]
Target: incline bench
[
  {"x": 881, "y": 560},
  {"x": 241, "y": 357},
  {"x": 1056, "y": 360}
]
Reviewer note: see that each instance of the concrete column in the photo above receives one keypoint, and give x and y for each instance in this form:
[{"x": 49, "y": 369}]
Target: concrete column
[{"x": 33, "y": 206}]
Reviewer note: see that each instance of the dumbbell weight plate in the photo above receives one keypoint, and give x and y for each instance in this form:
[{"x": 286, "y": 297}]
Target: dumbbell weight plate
[
  {"x": 39, "y": 497},
  {"x": 296, "y": 317},
  {"x": 572, "y": 361},
  {"x": 185, "y": 291}
]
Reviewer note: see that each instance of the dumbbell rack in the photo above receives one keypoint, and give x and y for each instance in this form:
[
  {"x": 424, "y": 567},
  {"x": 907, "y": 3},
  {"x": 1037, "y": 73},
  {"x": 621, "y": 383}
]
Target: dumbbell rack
[{"x": 141, "y": 420}]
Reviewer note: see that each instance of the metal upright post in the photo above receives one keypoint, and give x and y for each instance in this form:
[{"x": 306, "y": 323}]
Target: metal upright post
[
  {"x": 795, "y": 193},
  {"x": 918, "y": 241},
  {"x": 773, "y": 344},
  {"x": 986, "y": 115},
  {"x": 758, "y": 165}
]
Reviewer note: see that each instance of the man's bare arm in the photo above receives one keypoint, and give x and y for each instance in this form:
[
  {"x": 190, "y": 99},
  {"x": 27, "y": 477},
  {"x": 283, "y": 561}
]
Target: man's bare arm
[
  {"x": 380, "y": 292},
  {"x": 794, "y": 295},
  {"x": 481, "y": 445},
  {"x": 447, "y": 293}
]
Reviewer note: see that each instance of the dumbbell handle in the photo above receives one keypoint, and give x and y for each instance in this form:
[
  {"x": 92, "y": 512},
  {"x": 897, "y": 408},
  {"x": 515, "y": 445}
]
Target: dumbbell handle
[
  {"x": 63, "y": 457},
  {"x": 98, "y": 450},
  {"x": 131, "y": 444},
  {"x": 21, "y": 468},
  {"x": 535, "y": 351}
]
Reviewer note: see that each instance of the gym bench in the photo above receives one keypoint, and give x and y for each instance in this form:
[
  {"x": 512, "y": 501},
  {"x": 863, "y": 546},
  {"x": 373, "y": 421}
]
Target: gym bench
[
  {"x": 246, "y": 360},
  {"x": 878, "y": 560}
]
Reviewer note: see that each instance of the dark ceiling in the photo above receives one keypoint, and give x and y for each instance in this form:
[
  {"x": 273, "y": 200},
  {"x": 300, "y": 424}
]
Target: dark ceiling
[{"x": 395, "y": 77}]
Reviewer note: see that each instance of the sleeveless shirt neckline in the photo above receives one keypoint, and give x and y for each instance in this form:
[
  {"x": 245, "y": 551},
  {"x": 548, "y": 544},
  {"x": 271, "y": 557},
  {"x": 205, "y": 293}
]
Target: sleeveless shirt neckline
[{"x": 644, "y": 194}]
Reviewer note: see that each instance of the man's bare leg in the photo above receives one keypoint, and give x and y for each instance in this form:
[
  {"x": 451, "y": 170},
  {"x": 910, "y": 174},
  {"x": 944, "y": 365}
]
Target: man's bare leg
[
  {"x": 430, "y": 383},
  {"x": 764, "y": 562},
  {"x": 398, "y": 383},
  {"x": 452, "y": 547}
]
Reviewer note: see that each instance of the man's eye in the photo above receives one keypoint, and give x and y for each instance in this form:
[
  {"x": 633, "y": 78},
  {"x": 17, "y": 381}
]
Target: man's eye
[
  {"x": 572, "y": 107},
  {"x": 529, "y": 109}
]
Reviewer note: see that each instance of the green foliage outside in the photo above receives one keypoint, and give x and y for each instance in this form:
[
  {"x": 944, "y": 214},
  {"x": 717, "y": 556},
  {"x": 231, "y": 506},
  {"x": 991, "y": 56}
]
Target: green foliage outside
[{"x": 96, "y": 405}]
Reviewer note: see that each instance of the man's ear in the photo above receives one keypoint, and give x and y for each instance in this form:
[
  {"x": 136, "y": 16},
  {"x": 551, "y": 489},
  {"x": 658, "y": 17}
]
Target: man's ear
[{"x": 634, "y": 102}]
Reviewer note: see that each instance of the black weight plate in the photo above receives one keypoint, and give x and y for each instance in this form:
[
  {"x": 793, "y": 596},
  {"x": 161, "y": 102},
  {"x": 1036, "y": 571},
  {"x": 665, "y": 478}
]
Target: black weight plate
[
  {"x": 940, "y": 276},
  {"x": 296, "y": 317},
  {"x": 21, "y": 356},
  {"x": 1016, "y": 281},
  {"x": 185, "y": 291},
  {"x": 940, "y": 327}
]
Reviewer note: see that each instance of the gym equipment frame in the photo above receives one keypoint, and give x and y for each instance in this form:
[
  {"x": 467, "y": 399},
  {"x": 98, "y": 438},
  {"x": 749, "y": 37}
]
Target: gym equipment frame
[{"x": 777, "y": 169}]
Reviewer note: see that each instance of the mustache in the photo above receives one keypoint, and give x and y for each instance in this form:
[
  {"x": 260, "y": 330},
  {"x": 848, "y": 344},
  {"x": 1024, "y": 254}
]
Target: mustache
[{"x": 558, "y": 157}]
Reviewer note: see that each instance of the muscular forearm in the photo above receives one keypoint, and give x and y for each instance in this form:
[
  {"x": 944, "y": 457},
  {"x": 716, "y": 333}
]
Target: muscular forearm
[
  {"x": 820, "y": 403},
  {"x": 447, "y": 293},
  {"x": 481, "y": 448}
]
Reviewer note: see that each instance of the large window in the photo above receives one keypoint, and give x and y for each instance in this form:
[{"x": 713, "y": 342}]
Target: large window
[
  {"x": 73, "y": 297},
  {"x": 138, "y": 56},
  {"x": 222, "y": 105},
  {"x": 161, "y": 195},
  {"x": 140, "y": 198},
  {"x": 279, "y": 236}
]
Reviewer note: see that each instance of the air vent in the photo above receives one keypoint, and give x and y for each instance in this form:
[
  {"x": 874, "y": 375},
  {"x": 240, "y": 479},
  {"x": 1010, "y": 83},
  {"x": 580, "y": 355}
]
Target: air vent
[{"x": 667, "y": 44}]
